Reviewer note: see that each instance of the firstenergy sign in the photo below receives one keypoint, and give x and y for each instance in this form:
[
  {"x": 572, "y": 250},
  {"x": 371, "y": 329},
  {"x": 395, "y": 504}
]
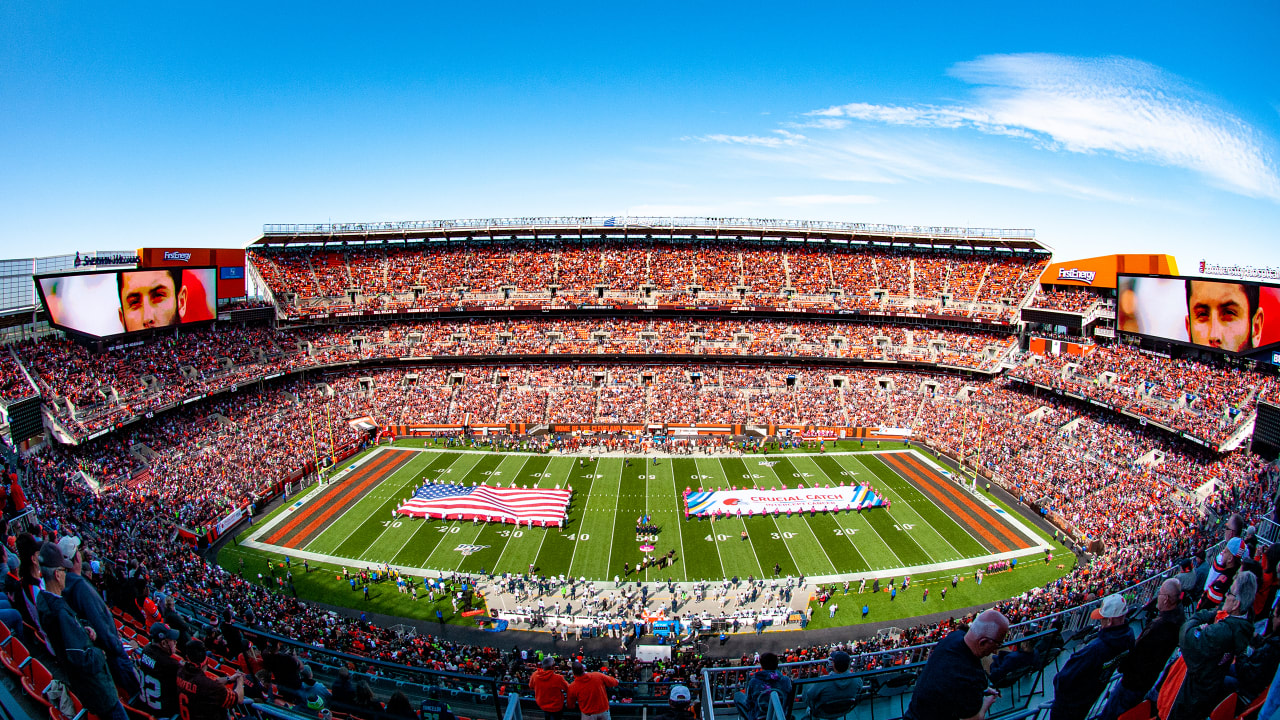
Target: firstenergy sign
[
  {"x": 177, "y": 256},
  {"x": 1084, "y": 276}
]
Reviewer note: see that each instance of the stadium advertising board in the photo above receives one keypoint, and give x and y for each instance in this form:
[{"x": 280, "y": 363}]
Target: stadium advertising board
[
  {"x": 1102, "y": 272},
  {"x": 115, "y": 303},
  {"x": 228, "y": 261},
  {"x": 1241, "y": 318}
]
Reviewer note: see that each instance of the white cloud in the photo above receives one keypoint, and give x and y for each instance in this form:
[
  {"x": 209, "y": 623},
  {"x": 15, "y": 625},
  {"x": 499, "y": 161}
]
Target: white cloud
[
  {"x": 783, "y": 138},
  {"x": 1121, "y": 106}
]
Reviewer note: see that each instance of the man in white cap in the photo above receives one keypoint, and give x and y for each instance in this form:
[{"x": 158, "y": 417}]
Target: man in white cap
[
  {"x": 87, "y": 602},
  {"x": 679, "y": 705},
  {"x": 1079, "y": 683},
  {"x": 1225, "y": 566}
]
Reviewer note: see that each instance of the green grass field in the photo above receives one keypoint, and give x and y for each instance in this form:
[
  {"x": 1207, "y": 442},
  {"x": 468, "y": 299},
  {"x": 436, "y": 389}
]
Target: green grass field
[{"x": 933, "y": 529}]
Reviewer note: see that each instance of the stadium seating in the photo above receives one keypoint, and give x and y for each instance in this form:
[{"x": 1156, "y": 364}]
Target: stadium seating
[
  {"x": 304, "y": 281},
  {"x": 1109, "y": 482}
]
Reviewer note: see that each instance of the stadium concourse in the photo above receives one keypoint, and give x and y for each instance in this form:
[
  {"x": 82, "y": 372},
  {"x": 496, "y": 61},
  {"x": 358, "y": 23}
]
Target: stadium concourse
[{"x": 181, "y": 438}]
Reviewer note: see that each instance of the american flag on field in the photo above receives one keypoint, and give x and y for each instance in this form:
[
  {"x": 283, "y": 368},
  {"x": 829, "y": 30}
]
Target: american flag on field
[{"x": 511, "y": 505}]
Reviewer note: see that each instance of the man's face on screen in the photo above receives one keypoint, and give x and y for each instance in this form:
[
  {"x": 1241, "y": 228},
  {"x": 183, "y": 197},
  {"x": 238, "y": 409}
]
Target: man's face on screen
[
  {"x": 147, "y": 299},
  {"x": 1218, "y": 315}
]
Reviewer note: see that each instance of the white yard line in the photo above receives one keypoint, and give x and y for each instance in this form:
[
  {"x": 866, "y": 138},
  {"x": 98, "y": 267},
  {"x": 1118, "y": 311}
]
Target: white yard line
[
  {"x": 958, "y": 520},
  {"x": 423, "y": 520},
  {"x": 680, "y": 520},
  {"x": 387, "y": 527},
  {"x": 902, "y": 501},
  {"x": 807, "y": 526},
  {"x": 577, "y": 538},
  {"x": 754, "y": 554},
  {"x": 498, "y": 563}
]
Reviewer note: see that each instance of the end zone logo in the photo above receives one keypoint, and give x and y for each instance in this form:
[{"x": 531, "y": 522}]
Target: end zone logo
[
  {"x": 179, "y": 256},
  {"x": 1084, "y": 276}
]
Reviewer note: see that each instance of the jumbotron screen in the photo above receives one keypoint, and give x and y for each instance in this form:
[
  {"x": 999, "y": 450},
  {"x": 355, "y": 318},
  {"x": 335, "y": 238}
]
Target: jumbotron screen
[
  {"x": 1242, "y": 318},
  {"x": 106, "y": 304}
]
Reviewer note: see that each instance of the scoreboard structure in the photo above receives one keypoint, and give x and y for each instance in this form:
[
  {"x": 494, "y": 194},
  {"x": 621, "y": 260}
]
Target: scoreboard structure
[
  {"x": 229, "y": 262},
  {"x": 1266, "y": 431}
]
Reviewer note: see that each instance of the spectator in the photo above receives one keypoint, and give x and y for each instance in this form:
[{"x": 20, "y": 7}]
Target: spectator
[
  {"x": 175, "y": 620},
  {"x": 589, "y": 692},
  {"x": 1208, "y": 648},
  {"x": 200, "y": 696},
  {"x": 833, "y": 695},
  {"x": 433, "y": 709},
  {"x": 1081, "y": 680},
  {"x": 87, "y": 602},
  {"x": 398, "y": 705},
  {"x": 158, "y": 668},
  {"x": 343, "y": 691},
  {"x": 9, "y": 615},
  {"x": 367, "y": 706},
  {"x": 550, "y": 689},
  {"x": 230, "y": 633},
  {"x": 286, "y": 671},
  {"x": 1007, "y": 662},
  {"x": 1221, "y": 573},
  {"x": 1253, "y": 673},
  {"x": 753, "y": 704},
  {"x": 72, "y": 643},
  {"x": 1140, "y": 668},
  {"x": 310, "y": 687},
  {"x": 953, "y": 685},
  {"x": 679, "y": 705}
]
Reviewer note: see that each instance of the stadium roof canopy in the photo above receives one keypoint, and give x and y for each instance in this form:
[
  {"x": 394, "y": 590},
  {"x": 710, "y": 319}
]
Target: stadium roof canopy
[{"x": 636, "y": 228}]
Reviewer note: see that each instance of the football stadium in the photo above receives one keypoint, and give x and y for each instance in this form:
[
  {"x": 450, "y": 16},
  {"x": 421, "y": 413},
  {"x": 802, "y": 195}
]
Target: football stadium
[{"x": 690, "y": 467}]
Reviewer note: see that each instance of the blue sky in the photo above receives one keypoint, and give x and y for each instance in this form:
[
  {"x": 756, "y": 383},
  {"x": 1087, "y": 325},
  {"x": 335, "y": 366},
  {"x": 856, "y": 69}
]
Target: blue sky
[{"x": 1148, "y": 127}]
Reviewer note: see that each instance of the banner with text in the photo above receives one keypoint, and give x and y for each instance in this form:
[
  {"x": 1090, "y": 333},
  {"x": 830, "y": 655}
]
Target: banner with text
[{"x": 775, "y": 502}]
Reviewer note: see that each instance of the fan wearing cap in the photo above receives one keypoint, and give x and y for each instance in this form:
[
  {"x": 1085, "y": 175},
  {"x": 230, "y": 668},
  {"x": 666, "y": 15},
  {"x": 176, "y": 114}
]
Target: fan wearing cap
[
  {"x": 1079, "y": 683},
  {"x": 829, "y": 696},
  {"x": 550, "y": 689},
  {"x": 71, "y": 642},
  {"x": 679, "y": 705},
  {"x": 1224, "y": 568},
  {"x": 1209, "y": 646},
  {"x": 159, "y": 667},
  {"x": 1140, "y": 668},
  {"x": 200, "y": 696},
  {"x": 87, "y": 602}
]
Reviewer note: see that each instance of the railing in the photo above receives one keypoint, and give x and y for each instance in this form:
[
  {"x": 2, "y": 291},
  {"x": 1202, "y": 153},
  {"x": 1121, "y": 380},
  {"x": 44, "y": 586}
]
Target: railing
[
  {"x": 719, "y": 684},
  {"x": 640, "y": 223}
]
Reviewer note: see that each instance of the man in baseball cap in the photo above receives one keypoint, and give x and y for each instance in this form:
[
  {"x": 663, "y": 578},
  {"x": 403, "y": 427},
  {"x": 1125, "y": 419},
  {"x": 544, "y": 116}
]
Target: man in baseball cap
[
  {"x": 839, "y": 686},
  {"x": 85, "y": 599},
  {"x": 679, "y": 705},
  {"x": 69, "y": 545},
  {"x": 1078, "y": 684},
  {"x": 204, "y": 696},
  {"x": 159, "y": 668},
  {"x": 1223, "y": 570},
  {"x": 72, "y": 643}
]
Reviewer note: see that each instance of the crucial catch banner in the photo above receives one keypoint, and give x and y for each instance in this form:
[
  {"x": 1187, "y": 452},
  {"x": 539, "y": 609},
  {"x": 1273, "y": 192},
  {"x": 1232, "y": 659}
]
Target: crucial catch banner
[{"x": 780, "y": 502}]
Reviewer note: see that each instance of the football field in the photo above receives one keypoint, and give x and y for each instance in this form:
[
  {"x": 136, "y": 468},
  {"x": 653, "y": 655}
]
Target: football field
[{"x": 933, "y": 524}]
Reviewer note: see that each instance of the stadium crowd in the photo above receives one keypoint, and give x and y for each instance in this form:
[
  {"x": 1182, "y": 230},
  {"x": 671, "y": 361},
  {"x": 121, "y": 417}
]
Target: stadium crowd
[
  {"x": 1114, "y": 487},
  {"x": 130, "y": 383},
  {"x": 725, "y": 272},
  {"x": 1082, "y": 469},
  {"x": 1066, "y": 299},
  {"x": 1197, "y": 398}
]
